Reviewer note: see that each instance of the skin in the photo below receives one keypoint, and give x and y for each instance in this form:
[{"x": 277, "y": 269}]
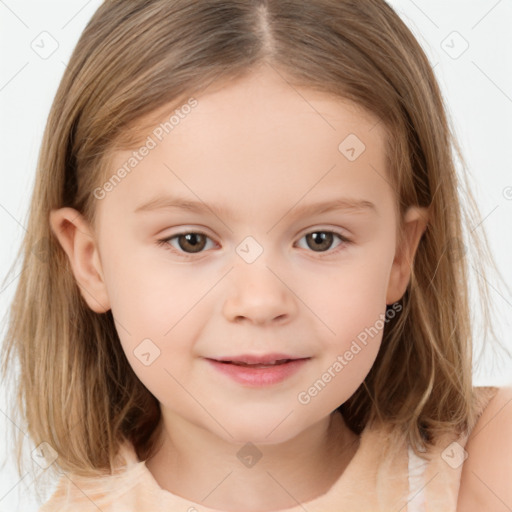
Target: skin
[
  {"x": 256, "y": 147},
  {"x": 486, "y": 473}
]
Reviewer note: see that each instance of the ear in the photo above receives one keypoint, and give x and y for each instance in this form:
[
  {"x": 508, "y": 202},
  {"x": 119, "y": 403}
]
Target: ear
[
  {"x": 413, "y": 226},
  {"x": 77, "y": 239}
]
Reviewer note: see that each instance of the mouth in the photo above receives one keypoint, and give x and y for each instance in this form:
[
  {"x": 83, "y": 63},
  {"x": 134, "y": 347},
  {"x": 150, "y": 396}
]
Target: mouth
[
  {"x": 270, "y": 364},
  {"x": 259, "y": 370},
  {"x": 259, "y": 361}
]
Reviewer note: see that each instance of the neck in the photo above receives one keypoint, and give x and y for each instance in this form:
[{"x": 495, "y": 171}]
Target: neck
[{"x": 197, "y": 465}]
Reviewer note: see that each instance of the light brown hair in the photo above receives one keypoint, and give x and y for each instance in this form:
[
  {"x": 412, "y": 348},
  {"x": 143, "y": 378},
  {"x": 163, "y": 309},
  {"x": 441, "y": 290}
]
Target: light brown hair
[{"x": 76, "y": 390}]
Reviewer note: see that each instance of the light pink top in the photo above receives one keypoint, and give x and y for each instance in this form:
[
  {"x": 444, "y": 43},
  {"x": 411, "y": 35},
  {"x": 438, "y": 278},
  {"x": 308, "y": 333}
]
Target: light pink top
[{"x": 375, "y": 480}]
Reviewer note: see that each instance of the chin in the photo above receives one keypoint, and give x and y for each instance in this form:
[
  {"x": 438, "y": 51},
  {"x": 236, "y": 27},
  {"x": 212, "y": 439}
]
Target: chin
[{"x": 257, "y": 430}]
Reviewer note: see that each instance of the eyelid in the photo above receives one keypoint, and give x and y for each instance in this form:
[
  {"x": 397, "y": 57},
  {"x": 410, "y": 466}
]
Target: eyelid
[
  {"x": 339, "y": 232},
  {"x": 165, "y": 242}
]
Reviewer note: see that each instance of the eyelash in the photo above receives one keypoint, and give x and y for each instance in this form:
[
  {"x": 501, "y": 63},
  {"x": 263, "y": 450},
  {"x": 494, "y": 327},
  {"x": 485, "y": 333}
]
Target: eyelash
[{"x": 164, "y": 242}]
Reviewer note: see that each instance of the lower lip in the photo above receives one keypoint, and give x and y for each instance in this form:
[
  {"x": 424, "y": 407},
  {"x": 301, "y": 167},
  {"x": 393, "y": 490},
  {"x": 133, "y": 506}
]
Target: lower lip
[{"x": 259, "y": 376}]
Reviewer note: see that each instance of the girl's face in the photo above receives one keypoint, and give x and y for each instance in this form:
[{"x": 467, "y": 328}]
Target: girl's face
[{"x": 259, "y": 221}]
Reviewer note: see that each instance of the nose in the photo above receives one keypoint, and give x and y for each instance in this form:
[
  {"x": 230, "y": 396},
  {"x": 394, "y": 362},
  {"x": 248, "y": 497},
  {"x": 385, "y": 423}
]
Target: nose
[{"x": 257, "y": 294}]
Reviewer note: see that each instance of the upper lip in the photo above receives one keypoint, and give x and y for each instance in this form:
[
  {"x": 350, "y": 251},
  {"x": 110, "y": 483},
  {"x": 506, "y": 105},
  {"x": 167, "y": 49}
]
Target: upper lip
[{"x": 257, "y": 358}]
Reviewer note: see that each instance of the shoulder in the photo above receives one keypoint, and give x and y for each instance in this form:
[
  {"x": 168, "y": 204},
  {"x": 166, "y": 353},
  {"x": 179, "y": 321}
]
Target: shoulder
[{"x": 486, "y": 476}]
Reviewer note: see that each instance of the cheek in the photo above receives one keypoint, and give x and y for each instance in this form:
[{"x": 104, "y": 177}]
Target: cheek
[
  {"x": 158, "y": 313},
  {"x": 351, "y": 302},
  {"x": 349, "y": 297},
  {"x": 147, "y": 294}
]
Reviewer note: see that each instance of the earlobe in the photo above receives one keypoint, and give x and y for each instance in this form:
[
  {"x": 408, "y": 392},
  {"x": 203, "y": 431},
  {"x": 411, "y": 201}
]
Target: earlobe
[
  {"x": 77, "y": 240},
  {"x": 414, "y": 225}
]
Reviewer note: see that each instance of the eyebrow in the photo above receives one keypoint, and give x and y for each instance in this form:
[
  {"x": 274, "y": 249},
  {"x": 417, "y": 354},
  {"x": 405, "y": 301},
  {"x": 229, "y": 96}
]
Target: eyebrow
[{"x": 166, "y": 202}]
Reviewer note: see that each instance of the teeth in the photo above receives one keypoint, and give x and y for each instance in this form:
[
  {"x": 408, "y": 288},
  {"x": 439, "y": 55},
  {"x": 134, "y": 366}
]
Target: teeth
[{"x": 261, "y": 365}]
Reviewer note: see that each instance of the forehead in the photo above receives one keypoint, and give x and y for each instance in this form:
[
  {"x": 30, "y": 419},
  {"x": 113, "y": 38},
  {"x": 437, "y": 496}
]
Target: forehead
[
  {"x": 258, "y": 137},
  {"x": 264, "y": 103},
  {"x": 263, "y": 98}
]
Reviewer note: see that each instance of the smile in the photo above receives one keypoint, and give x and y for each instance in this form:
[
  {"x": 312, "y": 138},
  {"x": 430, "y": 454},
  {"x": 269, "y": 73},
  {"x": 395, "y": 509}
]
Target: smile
[{"x": 259, "y": 374}]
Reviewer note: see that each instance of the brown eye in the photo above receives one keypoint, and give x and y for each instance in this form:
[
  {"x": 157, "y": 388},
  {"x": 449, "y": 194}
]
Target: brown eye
[
  {"x": 188, "y": 243},
  {"x": 193, "y": 242},
  {"x": 320, "y": 240}
]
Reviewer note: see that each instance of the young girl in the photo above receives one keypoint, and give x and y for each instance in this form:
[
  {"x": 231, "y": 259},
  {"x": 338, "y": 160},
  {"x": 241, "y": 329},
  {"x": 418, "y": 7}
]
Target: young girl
[{"x": 249, "y": 291}]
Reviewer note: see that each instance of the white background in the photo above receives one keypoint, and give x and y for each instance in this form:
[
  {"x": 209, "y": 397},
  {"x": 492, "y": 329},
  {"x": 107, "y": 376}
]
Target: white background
[{"x": 477, "y": 86}]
